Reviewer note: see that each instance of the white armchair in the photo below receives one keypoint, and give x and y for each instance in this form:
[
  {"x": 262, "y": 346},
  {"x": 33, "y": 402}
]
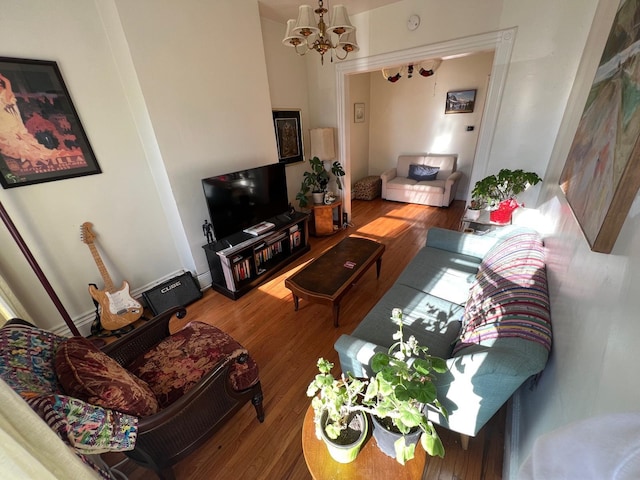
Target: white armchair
[{"x": 440, "y": 192}]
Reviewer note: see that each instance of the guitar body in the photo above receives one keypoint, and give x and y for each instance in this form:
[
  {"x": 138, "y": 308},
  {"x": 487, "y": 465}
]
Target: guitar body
[{"x": 117, "y": 309}]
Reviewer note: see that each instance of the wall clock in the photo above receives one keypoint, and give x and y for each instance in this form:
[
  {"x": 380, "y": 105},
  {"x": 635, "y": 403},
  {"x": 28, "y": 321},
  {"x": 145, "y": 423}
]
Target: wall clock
[{"x": 413, "y": 22}]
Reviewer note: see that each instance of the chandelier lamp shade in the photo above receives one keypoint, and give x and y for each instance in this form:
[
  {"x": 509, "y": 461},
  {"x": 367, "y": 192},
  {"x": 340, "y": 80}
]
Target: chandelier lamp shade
[{"x": 311, "y": 32}]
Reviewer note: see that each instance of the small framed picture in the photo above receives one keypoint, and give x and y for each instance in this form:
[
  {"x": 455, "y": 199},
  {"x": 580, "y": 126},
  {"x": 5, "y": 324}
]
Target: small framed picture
[
  {"x": 358, "y": 112},
  {"x": 460, "y": 101},
  {"x": 288, "y": 129},
  {"x": 41, "y": 137}
]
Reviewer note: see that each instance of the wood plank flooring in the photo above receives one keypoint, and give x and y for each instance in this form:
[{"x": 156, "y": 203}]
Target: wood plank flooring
[{"x": 286, "y": 345}]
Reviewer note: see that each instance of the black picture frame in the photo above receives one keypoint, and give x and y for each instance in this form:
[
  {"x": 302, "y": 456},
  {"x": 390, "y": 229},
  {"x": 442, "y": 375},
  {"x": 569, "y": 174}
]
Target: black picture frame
[
  {"x": 460, "y": 101},
  {"x": 288, "y": 130},
  {"x": 41, "y": 137}
]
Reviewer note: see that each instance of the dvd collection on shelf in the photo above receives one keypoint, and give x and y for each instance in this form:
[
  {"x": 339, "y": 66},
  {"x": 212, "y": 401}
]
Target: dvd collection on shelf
[
  {"x": 241, "y": 269},
  {"x": 264, "y": 254},
  {"x": 295, "y": 238}
]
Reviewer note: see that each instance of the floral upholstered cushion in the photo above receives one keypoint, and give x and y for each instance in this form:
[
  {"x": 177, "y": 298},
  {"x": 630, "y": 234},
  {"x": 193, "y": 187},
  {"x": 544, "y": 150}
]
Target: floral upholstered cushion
[
  {"x": 90, "y": 375},
  {"x": 178, "y": 362}
]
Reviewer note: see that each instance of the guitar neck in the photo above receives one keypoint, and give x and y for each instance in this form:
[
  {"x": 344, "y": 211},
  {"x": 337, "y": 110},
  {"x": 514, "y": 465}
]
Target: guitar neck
[{"x": 106, "y": 278}]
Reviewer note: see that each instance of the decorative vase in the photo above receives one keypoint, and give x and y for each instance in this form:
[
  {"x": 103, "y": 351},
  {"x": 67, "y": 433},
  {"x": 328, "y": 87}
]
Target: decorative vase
[
  {"x": 354, "y": 436},
  {"x": 386, "y": 438},
  {"x": 318, "y": 197},
  {"x": 502, "y": 215}
]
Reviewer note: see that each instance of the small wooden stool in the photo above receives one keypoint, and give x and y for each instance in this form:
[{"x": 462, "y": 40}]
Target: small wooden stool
[{"x": 367, "y": 188}]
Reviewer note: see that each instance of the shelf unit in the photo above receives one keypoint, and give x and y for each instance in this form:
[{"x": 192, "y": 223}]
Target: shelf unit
[
  {"x": 242, "y": 264},
  {"x": 326, "y": 219}
]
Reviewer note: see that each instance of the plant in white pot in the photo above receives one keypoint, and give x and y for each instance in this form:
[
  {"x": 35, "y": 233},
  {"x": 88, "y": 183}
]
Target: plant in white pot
[
  {"x": 338, "y": 415},
  {"x": 399, "y": 394},
  {"x": 316, "y": 181}
]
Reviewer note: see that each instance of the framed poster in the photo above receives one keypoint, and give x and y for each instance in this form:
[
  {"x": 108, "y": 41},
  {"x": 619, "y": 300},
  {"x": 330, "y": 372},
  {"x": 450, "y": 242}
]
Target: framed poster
[
  {"x": 288, "y": 128},
  {"x": 460, "y": 101},
  {"x": 601, "y": 174},
  {"x": 358, "y": 112},
  {"x": 41, "y": 137}
]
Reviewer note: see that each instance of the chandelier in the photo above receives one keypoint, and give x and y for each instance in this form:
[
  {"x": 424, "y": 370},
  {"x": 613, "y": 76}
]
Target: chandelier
[
  {"x": 308, "y": 33},
  {"x": 425, "y": 69}
]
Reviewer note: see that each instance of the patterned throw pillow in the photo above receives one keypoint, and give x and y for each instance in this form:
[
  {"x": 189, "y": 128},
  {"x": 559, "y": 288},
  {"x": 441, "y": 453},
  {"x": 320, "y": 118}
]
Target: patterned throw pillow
[
  {"x": 178, "y": 362},
  {"x": 509, "y": 297},
  {"x": 423, "y": 173},
  {"x": 90, "y": 375}
]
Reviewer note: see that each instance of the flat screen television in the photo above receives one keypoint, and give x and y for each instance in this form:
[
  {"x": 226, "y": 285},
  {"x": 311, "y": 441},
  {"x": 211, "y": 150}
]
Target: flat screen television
[{"x": 239, "y": 200}]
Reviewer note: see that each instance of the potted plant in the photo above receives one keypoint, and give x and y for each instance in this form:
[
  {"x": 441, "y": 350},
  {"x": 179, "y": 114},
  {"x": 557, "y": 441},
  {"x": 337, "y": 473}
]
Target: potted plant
[
  {"x": 500, "y": 191},
  {"x": 338, "y": 414},
  {"x": 316, "y": 181},
  {"x": 399, "y": 394},
  {"x": 475, "y": 208}
]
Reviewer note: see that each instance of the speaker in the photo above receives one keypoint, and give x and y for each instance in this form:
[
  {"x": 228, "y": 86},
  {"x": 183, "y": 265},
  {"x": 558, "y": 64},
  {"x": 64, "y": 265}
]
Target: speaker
[{"x": 177, "y": 292}]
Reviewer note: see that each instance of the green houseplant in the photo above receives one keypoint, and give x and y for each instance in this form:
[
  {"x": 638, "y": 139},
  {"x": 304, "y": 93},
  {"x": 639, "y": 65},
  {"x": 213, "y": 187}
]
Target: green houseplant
[
  {"x": 500, "y": 192},
  {"x": 338, "y": 413},
  {"x": 506, "y": 185},
  {"x": 317, "y": 179},
  {"x": 401, "y": 390}
]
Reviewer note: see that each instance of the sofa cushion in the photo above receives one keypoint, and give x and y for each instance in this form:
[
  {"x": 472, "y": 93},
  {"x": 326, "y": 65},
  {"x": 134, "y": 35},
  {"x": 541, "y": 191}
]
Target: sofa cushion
[
  {"x": 509, "y": 298},
  {"x": 90, "y": 375},
  {"x": 444, "y": 274},
  {"x": 433, "y": 321},
  {"x": 422, "y": 173},
  {"x": 179, "y": 361}
]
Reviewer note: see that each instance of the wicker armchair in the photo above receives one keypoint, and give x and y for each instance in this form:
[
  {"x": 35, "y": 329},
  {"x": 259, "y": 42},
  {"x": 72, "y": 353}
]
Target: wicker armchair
[{"x": 177, "y": 430}]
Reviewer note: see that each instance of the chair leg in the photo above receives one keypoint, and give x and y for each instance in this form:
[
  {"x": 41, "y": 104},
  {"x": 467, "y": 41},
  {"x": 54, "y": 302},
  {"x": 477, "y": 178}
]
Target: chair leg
[
  {"x": 464, "y": 441},
  {"x": 257, "y": 403}
]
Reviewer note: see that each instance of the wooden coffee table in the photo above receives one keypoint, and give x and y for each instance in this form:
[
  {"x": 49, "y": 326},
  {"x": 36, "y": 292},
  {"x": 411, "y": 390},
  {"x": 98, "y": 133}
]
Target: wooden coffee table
[
  {"x": 371, "y": 463},
  {"x": 330, "y": 276}
]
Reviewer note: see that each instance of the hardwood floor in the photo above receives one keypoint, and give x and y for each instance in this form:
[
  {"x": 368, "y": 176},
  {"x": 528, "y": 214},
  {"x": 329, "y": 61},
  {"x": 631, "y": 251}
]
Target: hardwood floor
[{"x": 286, "y": 345}]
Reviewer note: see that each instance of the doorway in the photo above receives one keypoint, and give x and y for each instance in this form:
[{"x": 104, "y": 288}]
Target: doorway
[{"x": 502, "y": 44}]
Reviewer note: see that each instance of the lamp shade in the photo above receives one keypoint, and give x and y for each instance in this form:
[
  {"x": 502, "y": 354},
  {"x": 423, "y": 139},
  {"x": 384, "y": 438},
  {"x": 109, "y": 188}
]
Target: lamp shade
[
  {"x": 291, "y": 40},
  {"x": 306, "y": 24},
  {"x": 340, "y": 22},
  {"x": 322, "y": 143},
  {"x": 348, "y": 42}
]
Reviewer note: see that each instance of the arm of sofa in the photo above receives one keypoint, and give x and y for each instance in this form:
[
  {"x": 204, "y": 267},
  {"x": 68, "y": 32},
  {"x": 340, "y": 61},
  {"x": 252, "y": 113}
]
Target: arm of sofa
[
  {"x": 450, "y": 188},
  {"x": 386, "y": 177},
  {"x": 355, "y": 355},
  {"x": 477, "y": 385}
]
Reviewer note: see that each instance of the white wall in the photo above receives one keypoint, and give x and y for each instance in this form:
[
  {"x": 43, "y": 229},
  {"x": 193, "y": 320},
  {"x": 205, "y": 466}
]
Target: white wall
[
  {"x": 208, "y": 100},
  {"x": 408, "y": 116},
  {"x": 122, "y": 202},
  {"x": 359, "y": 92}
]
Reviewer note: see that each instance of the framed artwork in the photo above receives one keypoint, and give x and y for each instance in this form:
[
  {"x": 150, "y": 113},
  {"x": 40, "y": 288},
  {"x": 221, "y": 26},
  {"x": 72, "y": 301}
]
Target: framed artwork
[
  {"x": 358, "y": 112},
  {"x": 601, "y": 174},
  {"x": 460, "y": 101},
  {"x": 288, "y": 128},
  {"x": 41, "y": 137}
]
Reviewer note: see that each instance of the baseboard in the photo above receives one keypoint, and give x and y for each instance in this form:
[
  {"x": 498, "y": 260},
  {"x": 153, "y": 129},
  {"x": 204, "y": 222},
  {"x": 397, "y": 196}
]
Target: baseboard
[
  {"x": 84, "y": 320},
  {"x": 512, "y": 438}
]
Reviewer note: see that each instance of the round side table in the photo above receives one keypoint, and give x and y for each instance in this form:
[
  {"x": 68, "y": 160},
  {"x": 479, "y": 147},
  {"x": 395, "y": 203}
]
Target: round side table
[{"x": 371, "y": 462}]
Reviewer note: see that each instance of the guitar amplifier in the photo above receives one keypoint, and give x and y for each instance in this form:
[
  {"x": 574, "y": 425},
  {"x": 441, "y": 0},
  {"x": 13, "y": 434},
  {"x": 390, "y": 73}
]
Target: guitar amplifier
[{"x": 179, "y": 291}]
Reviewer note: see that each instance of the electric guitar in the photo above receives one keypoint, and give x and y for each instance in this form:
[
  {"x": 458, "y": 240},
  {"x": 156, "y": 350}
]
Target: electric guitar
[{"x": 117, "y": 308}]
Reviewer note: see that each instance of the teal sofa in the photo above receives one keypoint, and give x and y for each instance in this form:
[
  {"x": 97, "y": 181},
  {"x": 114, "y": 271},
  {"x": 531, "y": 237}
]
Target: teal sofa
[{"x": 480, "y": 302}]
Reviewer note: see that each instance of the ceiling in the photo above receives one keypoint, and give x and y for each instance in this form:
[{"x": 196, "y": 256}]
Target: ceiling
[{"x": 282, "y": 10}]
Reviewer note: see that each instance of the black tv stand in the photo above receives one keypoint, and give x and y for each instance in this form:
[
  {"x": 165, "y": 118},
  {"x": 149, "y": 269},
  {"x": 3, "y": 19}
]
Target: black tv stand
[{"x": 242, "y": 261}]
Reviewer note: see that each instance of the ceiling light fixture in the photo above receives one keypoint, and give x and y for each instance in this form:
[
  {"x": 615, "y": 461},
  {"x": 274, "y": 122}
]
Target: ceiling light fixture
[{"x": 308, "y": 33}]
